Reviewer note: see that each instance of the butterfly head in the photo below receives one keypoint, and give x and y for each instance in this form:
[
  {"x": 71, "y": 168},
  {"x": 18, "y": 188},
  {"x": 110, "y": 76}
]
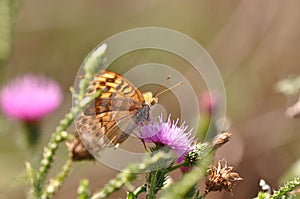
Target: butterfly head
[{"x": 149, "y": 99}]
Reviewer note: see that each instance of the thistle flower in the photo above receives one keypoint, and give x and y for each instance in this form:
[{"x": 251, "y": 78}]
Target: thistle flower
[
  {"x": 221, "y": 177},
  {"x": 30, "y": 98},
  {"x": 168, "y": 134},
  {"x": 210, "y": 102}
]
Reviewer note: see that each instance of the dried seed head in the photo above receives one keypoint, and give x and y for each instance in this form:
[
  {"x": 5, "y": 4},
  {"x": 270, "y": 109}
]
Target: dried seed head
[
  {"x": 221, "y": 139},
  {"x": 294, "y": 110},
  {"x": 221, "y": 177},
  {"x": 78, "y": 150}
]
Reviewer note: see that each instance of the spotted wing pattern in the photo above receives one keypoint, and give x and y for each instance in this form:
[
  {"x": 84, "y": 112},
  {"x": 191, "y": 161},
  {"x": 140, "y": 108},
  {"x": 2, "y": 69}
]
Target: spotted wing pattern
[{"x": 113, "y": 115}]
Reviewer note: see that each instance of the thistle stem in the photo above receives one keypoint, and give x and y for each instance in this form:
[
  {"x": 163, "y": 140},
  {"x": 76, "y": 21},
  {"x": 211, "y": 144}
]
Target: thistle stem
[
  {"x": 179, "y": 189},
  {"x": 139, "y": 190},
  {"x": 32, "y": 133},
  {"x": 57, "y": 182}
]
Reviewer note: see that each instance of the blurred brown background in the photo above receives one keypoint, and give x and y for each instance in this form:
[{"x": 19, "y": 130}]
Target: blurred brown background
[{"x": 254, "y": 43}]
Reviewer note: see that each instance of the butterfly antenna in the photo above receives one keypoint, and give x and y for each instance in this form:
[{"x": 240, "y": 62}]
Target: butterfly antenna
[
  {"x": 168, "y": 89},
  {"x": 160, "y": 86}
]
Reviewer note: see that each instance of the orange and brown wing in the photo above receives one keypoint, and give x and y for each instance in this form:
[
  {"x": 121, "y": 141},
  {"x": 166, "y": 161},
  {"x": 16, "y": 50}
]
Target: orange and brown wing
[{"x": 108, "y": 120}]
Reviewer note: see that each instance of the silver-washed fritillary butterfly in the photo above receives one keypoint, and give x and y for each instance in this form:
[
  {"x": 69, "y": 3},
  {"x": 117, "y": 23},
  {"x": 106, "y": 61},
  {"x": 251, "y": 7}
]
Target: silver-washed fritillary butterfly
[{"x": 115, "y": 114}]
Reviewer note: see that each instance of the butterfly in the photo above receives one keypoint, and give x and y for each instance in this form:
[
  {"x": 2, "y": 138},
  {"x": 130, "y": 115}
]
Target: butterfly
[{"x": 114, "y": 114}]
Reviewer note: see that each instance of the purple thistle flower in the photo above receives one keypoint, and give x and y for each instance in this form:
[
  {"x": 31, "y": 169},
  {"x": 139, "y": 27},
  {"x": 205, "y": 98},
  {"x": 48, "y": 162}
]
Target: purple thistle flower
[
  {"x": 169, "y": 134},
  {"x": 210, "y": 101},
  {"x": 30, "y": 98}
]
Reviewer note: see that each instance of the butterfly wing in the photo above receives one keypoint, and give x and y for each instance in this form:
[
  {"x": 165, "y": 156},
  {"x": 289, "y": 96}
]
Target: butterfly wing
[{"x": 110, "y": 118}]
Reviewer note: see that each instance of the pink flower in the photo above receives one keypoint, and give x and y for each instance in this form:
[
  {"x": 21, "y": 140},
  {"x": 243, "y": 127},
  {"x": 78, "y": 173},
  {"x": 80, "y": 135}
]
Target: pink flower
[
  {"x": 210, "y": 102},
  {"x": 30, "y": 98},
  {"x": 169, "y": 134}
]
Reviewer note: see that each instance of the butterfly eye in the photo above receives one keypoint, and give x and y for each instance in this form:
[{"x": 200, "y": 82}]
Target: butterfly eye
[{"x": 154, "y": 101}]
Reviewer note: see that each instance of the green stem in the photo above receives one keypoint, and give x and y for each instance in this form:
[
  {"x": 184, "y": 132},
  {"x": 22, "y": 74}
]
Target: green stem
[
  {"x": 139, "y": 190},
  {"x": 286, "y": 189},
  {"x": 57, "y": 137},
  {"x": 179, "y": 189},
  {"x": 113, "y": 185},
  {"x": 60, "y": 135},
  {"x": 83, "y": 191},
  {"x": 136, "y": 193},
  {"x": 8, "y": 12},
  {"x": 5, "y": 30},
  {"x": 177, "y": 166},
  {"x": 57, "y": 182},
  {"x": 130, "y": 173},
  {"x": 31, "y": 178},
  {"x": 33, "y": 133},
  {"x": 152, "y": 185}
]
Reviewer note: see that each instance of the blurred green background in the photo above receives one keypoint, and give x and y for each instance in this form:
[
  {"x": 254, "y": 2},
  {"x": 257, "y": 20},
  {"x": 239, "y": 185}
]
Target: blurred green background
[{"x": 254, "y": 43}]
